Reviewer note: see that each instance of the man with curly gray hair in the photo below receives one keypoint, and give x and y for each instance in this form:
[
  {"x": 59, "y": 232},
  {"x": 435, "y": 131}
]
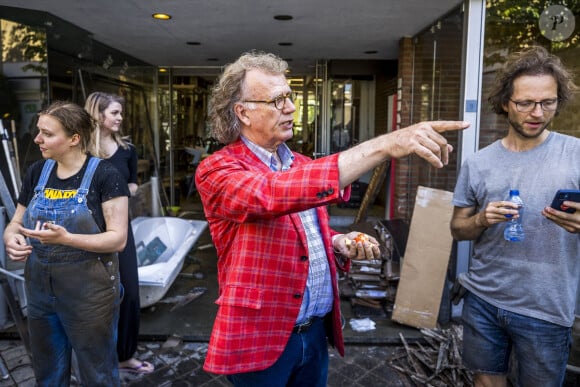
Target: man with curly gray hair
[{"x": 278, "y": 257}]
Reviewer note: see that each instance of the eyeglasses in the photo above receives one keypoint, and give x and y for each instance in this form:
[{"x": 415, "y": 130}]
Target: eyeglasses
[
  {"x": 279, "y": 101},
  {"x": 548, "y": 105}
]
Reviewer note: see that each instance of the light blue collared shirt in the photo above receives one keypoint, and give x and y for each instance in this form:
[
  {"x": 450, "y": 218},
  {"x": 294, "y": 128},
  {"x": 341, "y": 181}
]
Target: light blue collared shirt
[{"x": 318, "y": 294}]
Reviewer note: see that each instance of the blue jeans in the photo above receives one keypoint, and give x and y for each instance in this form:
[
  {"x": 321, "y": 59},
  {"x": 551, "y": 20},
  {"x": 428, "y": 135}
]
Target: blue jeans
[
  {"x": 490, "y": 334},
  {"x": 304, "y": 363}
]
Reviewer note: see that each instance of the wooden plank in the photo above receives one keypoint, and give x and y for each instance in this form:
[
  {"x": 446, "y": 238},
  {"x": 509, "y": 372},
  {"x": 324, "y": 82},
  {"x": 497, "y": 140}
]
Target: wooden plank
[{"x": 377, "y": 179}]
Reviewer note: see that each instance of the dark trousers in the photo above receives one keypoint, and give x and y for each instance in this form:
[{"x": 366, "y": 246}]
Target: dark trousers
[
  {"x": 130, "y": 310},
  {"x": 73, "y": 305}
]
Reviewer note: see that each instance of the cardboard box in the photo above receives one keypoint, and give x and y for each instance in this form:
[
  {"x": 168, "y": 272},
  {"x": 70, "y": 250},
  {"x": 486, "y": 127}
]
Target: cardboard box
[{"x": 424, "y": 266}]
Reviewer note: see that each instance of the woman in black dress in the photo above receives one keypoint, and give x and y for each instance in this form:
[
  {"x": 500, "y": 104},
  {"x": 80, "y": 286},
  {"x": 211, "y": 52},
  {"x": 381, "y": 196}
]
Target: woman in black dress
[{"x": 108, "y": 143}]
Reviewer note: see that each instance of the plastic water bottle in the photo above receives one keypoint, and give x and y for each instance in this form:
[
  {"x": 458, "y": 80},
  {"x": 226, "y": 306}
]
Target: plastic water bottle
[{"x": 514, "y": 230}]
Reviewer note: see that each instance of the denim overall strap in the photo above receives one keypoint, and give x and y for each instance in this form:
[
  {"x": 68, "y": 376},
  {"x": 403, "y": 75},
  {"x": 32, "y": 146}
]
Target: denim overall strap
[
  {"x": 46, "y": 169},
  {"x": 71, "y": 212},
  {"x": 88, "y": 177}
]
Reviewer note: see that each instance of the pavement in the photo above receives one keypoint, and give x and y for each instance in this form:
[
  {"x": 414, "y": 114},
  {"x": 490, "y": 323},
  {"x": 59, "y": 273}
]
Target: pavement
[
  {"x": 175, "y": 339},
  {"x": 179, "y": 363}
]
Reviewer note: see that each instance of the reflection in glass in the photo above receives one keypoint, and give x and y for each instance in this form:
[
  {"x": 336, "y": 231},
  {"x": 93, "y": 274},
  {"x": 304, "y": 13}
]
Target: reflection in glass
[
  {"x": 25, "y": 45},
  {"x": 436, "y": 95}
]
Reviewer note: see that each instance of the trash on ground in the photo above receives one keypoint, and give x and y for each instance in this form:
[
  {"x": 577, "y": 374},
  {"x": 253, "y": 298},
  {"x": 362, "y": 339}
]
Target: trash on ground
[
  {"x": 184, "y": 299},
  {"x": 362, "y": 324},
  {"x": 436, "y": 362}
]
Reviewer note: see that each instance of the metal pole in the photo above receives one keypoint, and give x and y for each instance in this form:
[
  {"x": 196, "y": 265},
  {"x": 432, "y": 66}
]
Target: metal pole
[
  {"x": 6, "y": 198},
  {"x": 8, "y": 153},
  {"x": 474, "y": 27},
  {"x": 171, "y": 145},
  {"x": 15, "y": 146},
  {"x": 155, "y": 196}
]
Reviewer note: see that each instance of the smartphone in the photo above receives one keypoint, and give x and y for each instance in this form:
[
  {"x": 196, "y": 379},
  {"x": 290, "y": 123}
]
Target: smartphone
[{"x": 571, "y": 195}]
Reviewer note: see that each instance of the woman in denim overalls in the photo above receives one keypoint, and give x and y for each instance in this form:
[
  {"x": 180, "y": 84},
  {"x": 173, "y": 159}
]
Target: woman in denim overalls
[{"x": 70, "y": 221}]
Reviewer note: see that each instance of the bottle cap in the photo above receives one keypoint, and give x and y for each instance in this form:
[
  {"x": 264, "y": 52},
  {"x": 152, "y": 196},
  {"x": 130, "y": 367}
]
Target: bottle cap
[{"x": 514, "y": 192}]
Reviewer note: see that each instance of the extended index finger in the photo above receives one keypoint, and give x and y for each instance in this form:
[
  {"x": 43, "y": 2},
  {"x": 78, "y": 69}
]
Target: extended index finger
[{"x": 445, "y": 126}]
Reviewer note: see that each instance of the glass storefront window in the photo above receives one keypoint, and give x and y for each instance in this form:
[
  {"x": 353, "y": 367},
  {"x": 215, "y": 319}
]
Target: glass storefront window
[
  {"x": 24, "y": 45},
  {"x": 436, "y": 96},
  {"x": 40, "y": 66},
  {"x": 341, "y": 122},
  {"x": 305, "y": 114},
  {"x": 23, "y": 83}
]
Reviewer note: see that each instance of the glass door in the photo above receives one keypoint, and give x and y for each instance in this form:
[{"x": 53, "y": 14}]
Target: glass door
[{"x": 347, "y": 107}]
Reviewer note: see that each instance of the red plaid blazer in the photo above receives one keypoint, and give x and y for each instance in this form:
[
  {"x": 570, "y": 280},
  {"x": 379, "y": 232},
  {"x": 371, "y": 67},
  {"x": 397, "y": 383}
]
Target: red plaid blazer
[{"x": 262, "y": 252}]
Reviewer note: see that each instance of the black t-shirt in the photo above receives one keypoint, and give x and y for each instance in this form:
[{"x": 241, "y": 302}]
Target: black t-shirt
[
  {"x": 107, "y": 184},
  {"x": 125, "y": 159}
]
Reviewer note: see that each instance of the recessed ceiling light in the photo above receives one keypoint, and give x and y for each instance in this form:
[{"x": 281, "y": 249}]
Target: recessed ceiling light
[
  {"x": 371, "y": 52},
  {"x": 283, "y": 17},
  {"x": 162, "y": 70},
  {"x": 161, "y": 16},
  {"x": 284, "y": 44},
  {"x": 194, "y": 43}
]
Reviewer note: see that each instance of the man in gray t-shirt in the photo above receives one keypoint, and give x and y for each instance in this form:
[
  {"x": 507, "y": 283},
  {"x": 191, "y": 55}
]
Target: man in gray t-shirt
[{"x": 521, "y": 296}]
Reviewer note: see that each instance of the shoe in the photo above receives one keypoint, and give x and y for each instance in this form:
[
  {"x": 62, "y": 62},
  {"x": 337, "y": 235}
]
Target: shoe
[{"x": 143, "y": 367}]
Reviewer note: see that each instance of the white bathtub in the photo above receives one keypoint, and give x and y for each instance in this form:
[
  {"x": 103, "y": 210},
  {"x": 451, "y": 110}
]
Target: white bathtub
[{"x": 162, "y": 245}]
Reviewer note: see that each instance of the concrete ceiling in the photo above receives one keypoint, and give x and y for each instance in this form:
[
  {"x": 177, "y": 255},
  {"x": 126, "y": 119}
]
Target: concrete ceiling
[{"x": 320, "y": 29}]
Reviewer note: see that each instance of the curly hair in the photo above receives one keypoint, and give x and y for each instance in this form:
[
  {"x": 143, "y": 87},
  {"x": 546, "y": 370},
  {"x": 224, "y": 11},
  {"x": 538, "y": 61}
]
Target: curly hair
[
  {"x": 74, "y": 120},
  {"x": 95, "y": 105},
  {"x": 225, "y": 125},
  {"x": 535, "y": 60}
]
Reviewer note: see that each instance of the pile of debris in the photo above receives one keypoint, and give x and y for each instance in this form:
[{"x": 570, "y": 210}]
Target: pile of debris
[
  {"x": 371, "y": 284},
  {"x": 435, "y": 363}
]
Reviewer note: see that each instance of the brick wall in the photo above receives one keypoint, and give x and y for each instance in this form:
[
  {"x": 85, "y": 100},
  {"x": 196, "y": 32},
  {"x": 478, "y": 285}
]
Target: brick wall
[
  {"x": 403, "y": 166},
  {"x": 386, "y": 86}
]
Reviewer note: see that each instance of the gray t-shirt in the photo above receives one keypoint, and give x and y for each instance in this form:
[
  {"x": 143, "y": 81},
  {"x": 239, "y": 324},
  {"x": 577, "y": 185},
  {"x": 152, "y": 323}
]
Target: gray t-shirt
[{"x": 537, "y": 277}]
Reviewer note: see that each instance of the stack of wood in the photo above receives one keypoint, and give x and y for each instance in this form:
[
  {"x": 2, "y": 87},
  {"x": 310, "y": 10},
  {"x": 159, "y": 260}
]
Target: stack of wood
[
  {"x": 371, "y": 284},
  {"x": 435, "y": 363}
]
